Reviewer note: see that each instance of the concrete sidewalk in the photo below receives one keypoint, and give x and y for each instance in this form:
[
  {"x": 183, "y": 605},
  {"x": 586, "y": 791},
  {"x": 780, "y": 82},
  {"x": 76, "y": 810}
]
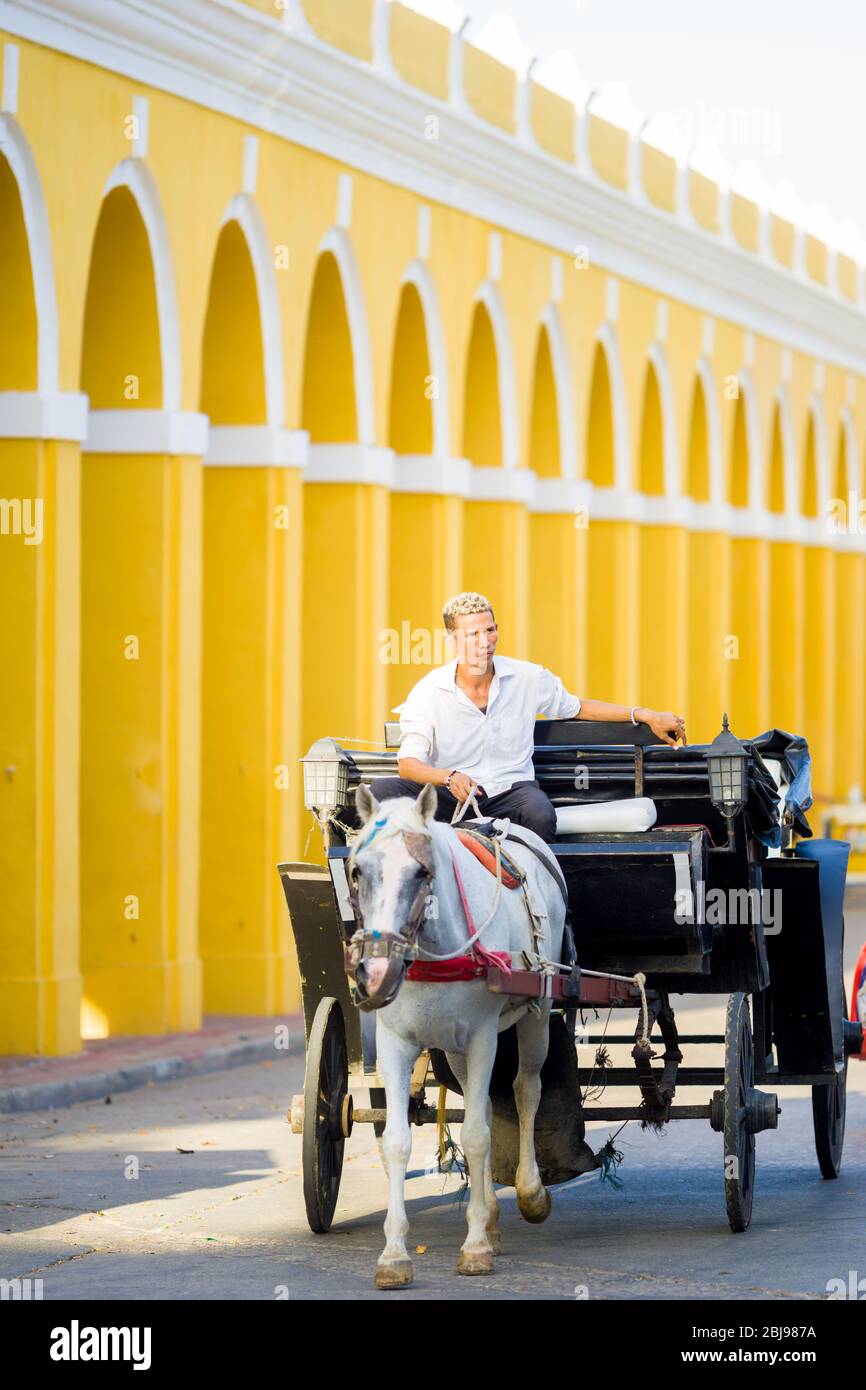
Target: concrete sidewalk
[{"x": 111, "y": 1065}]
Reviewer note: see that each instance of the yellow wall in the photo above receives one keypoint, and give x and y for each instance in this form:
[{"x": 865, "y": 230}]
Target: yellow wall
[{"x": 257, "y": 638}]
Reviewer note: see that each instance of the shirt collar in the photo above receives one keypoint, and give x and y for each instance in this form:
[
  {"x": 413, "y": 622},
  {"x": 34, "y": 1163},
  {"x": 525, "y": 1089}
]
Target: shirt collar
[{"x": 443, "y": 676}]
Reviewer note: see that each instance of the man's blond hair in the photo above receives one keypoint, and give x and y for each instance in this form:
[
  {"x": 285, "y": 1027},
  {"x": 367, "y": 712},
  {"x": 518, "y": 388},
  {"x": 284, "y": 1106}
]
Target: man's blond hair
[{"x": 468, "y": 602}]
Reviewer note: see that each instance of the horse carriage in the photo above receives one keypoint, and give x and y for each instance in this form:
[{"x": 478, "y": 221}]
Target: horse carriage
[{"x": 685, "y": 871}]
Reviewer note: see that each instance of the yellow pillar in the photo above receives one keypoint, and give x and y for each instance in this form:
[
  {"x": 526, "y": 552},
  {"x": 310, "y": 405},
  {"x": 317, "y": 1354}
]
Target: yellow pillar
[
  {"x": 496, "y": 551},
  {"x": 850, "y": 672},
  {"x": 558, "y": 560},
  {"x": 611, "y": 619},
  {"x": 251, "y": 682},
  {"x": 662, "y": 607},
  {"x": 785, "y": 644},
  {"x": 40, "y": 984},
  {"x": 140, "y": 721},
  {"x": 749, "y": 706},
  {"x": 819, "y": 659},
  {"x": 425, "y": 566},
  {"x": 708, "y": 669},
  {"x": 345, "y": 597}
]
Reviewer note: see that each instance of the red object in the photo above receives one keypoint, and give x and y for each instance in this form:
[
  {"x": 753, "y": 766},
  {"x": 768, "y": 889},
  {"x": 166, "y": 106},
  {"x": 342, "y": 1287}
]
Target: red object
[
  {"x": 473, "y": 966},
  {"x": 487, "y": 858},
  {"x": 858, "y": 1015},
  {"x": 460, "y": 968}
]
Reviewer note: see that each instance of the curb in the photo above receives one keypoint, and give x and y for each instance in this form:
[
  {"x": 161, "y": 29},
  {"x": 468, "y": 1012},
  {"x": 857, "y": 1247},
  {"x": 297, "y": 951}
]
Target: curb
[{"x": 46, "y": 1095}]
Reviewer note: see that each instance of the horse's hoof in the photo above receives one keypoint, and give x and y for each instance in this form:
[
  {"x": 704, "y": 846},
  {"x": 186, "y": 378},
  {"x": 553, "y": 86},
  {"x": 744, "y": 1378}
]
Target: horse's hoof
[
  {"x": 536, "y": 1209},
  {"x": 495, "y": 1238},
  {"x": 479, "y": 1262},
  {"x": 394, "y": 1276}
]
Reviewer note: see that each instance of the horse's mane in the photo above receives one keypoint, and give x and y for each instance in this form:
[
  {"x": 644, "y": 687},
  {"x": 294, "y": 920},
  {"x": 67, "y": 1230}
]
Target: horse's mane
[{"x": 400, "y": 813}]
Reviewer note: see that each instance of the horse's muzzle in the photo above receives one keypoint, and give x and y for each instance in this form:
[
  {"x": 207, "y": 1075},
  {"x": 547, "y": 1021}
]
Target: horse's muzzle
[{"x": 375, "y": 961}]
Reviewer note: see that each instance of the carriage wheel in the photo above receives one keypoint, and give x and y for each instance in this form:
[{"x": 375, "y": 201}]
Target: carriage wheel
[
  {"x": 828, "y": 1102},
  {"x": 739, "y": 1148},
  {"x": 326, "y": 1085}
]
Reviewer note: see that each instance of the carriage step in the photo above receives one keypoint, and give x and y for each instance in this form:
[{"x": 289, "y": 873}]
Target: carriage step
[
  {"x": 630, "y": 1038},
  {"x": 627, "y": 1076}
]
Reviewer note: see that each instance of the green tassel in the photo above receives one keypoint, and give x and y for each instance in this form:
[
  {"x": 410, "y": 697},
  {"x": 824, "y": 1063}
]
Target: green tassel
[{"x": 611, "y": 1158}]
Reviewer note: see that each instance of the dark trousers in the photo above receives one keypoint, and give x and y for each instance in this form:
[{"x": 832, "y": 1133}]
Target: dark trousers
[{"x": 525, "y": 803}]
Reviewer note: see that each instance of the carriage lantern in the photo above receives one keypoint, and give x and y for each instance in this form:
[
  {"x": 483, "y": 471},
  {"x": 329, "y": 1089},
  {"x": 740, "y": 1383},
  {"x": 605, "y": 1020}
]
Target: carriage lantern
[
  {"x": 727, "y": 761},
  {"x": 326, "y": 777}
]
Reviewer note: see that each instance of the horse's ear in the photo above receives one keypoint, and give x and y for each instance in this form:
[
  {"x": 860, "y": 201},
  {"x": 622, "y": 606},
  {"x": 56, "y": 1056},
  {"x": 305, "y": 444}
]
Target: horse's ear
[
  {"x": 365, "y": 802},
  {"x": 426, "y": 801}
]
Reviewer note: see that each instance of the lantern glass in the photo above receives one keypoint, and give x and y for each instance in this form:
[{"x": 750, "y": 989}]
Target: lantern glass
[
  {"x": 326, "y": 782},
  {"x": 728, "y": 780}
]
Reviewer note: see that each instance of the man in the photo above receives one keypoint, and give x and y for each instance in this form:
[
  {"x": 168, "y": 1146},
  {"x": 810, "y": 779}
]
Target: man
[{"x": 469, "y": 726}]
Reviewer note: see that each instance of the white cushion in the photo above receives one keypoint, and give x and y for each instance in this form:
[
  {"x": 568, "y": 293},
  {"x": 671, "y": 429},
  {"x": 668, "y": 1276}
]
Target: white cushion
[{"x": 634, "y": 813}]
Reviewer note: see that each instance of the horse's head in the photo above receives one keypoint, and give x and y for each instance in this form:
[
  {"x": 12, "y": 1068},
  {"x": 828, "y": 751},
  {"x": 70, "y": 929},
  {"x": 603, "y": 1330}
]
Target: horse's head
[{"x": 390, "y": 877}]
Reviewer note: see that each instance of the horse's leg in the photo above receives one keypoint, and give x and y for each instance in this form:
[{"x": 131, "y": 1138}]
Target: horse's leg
[
  {"x": 533, "y": 1199},
  {"x": 476, "y": 1253},
  {"x": 396, "y": 1060},
  {"x": 457, "y": 1063}
]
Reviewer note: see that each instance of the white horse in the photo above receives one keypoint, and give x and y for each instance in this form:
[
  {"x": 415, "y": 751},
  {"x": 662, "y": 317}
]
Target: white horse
[{"x": 462, "y": 1018}]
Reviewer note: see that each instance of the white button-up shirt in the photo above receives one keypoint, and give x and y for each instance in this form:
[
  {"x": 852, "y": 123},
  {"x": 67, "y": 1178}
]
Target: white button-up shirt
[{"x": 441, "y": 726}]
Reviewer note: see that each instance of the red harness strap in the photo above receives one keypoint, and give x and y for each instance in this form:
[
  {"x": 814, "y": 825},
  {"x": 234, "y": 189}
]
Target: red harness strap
[{"x": 469, "y": 967}]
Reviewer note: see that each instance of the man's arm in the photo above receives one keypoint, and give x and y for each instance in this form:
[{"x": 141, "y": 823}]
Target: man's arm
[{"x": 663, "y": 723}]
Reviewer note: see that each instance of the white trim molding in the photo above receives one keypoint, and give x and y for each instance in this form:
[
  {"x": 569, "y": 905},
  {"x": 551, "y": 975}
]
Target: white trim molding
[
  {"x": 418, "y": 273},
  {"x": 39, "y": 415},
  {"x": 428, "y": 473},
  {"x": 135, "y": 175},
  {"x": 338, "y": 242},
  {"x": 566, "y": 415},
  {"x": 670, "y": 456},
  {"x": 14, "y": 147},
  {"x": 243, "y": 210},
  {"x": 606, "y": 336},
  {"x": 490, "y": 297},
  {"x": 349, "y": 463},
  {"x": 502, "y": 485},
  {"x": 256, "y": 446},
  {"x": 276, "y": 77},
  {"x": 146, "y": 432}
]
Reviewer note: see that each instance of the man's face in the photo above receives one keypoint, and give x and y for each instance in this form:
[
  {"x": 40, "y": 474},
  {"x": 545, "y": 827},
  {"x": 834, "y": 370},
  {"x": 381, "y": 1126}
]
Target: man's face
[{"x": 475, "y": 640}]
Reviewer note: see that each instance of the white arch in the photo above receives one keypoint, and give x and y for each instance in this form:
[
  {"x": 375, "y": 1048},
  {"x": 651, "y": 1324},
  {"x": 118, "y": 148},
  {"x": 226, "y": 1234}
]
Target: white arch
[
  {"x": 16, "y": 150},
  {"x": 551, "y": 319},
  {"x": 815, "y": 408},
  {"x": 621, "y": 447},
  {"x": 849, "y": 434},
  {"x": 754, "y": 453},
  {"x": 418, "y": 274},
  {"x": 489, "y": 296},
  {"x": 243, "y": 210},
  {"x": 669, "y": 425},
  {"x": 789, "y": 454},
  {"x": 134, "y": 175},
  {"x": 714, "y": 431},
  {"x": 338, "y": 242}
]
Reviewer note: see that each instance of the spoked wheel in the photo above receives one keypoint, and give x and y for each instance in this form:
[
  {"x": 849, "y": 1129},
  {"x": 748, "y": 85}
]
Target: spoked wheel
[
  {"x": 828, "y": 1102},
  {"x": 739, "y": 1150},
  {"x": 327, "y": 1113}
]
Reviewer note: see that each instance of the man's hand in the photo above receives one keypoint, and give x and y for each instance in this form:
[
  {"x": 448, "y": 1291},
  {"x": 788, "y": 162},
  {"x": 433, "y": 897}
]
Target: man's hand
[
  {"x": 462, "y": 786},
  {"x": 664, "y": 724}
]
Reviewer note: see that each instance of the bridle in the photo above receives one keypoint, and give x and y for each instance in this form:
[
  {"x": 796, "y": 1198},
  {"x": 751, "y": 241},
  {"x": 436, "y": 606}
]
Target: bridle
[{"x": 396, "y": 947}]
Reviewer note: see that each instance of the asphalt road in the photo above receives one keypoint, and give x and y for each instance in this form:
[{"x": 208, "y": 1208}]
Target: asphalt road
[{"x": 226, "y": 1221}]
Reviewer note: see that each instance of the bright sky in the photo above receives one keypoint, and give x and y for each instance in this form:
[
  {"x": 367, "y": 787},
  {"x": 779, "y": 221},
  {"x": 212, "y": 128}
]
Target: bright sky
[{"x": 800, "y": 68}]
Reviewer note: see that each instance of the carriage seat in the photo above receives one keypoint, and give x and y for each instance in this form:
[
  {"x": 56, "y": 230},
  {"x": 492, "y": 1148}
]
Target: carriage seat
[{"x": 630, "y": 813}]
